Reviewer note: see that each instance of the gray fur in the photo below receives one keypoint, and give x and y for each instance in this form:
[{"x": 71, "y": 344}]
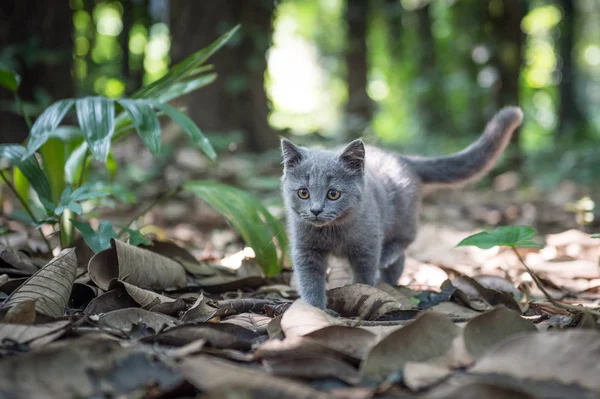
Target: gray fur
[{"x": 375, "y": 218}]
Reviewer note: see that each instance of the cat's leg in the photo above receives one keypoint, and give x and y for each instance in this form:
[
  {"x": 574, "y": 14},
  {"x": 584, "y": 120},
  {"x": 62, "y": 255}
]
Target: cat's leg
[
  {"x": 390, "y": 253},
  {"x": 365, "y": 266},
  {"x": 392, "y": 272},
  {"x": 310, "y": 269}
]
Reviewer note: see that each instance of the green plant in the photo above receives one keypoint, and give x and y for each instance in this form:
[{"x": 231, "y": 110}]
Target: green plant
[
  {"x": 60, "y": 180},
  {"x": 518, "y": 237}
]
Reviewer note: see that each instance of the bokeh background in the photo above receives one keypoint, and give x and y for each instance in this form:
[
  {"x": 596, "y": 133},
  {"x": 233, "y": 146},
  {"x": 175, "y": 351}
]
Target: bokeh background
[{"x": 419, "y": 76}]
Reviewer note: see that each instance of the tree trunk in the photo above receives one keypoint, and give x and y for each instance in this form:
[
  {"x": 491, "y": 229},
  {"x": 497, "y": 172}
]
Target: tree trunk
[
  {"x": 508, "y": 57},
  {"x": 45, "y": 67},
  {"x": 359, "y": 108},
  {"x": 237, "y": 100},
  {"x": 570, "y": 116}
]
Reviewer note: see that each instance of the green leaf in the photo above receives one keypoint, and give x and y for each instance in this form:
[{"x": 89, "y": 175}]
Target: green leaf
[
  {"x": 29, "y": 167},
  {"x": 96, "y": 117},
  {"x": 46, "y": 123},
  {"x": 70, "y": 199},
  {"x": 9, "y": 79},
  {"x": 146, "y": 122},
  {"x": 136, "y": 237},
  {"x": 185, "y": 68},
  {"x": 509, "y": 236},
  {"x": 97, "y": 241},
  {"x": 74, "y": 163},
  {"x": 54, "y": 153},
  {"x": 258, "y": 228},
  {"x": 181, "y": 88},
  {"x": 596, "y": 236},
  {"x": 189, "y": 127}
]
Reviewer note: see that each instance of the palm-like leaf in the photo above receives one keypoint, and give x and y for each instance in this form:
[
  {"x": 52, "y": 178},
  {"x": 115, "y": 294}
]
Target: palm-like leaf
[
  {"x": 30, "y": 169},
  {"x": 96, "y": 117}
]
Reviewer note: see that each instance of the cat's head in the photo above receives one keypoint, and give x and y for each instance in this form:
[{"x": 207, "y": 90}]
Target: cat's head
[{"x": 323, "y": 187}]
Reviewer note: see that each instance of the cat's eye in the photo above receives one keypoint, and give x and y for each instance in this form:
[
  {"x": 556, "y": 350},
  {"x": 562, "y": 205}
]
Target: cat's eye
[
  {"x": 333, "y": 194},
  {"x": 303, "y": 193}
]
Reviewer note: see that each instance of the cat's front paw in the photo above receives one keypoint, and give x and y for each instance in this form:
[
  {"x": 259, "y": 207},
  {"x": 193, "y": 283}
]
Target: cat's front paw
[{"x": 331, "y": 312}]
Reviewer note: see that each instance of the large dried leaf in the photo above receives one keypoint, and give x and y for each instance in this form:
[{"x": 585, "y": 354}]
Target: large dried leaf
[
  {"x": 565, "y": 357},
  {"x": 478, "y": 390},
  {"x": 144, "y": 298},
  {"x": 19, "y": 260},
  {"x": 430, "y": 337},
  {"x": 354, "y": 342},
  {"x": 36, "y": 336},
  {"x": 51, "y": 286},
  {"x": 216, "y": 335},
  {"x": 302, "y": 318},
  {"x": 251, "y": 321},
  {"x": 111, "y": 300},
  {"x": 83, "y": 368},
  {"x": 361, "y": 300},
  {"x": 173, "y": 251},
  {"x": 210, "y": 374},
  {"x": 125, "y": 320},
  {"x": 487, "y": 329},
  {"x": 142, "y": 268},
  {"x": 314, "y": 368}
]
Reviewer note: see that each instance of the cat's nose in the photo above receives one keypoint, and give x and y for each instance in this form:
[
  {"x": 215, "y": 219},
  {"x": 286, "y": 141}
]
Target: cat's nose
[{"x": 316, "y": 211}]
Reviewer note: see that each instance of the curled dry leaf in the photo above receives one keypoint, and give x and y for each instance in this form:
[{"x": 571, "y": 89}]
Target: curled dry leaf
[
  {"x": 487, "y": 329},
  {"x": 51, "y": 286},
  {"x": 36, "y": 336},
  {"x": 19, "y": 260},
  {"x": 202, "y": 310},
  {"x": 125, "y": 320},
  {"x": 314, "y": 368},
  {"x": 21, "y": 313},
  {"x": 210, "y": 374},
  {"x": 491, "y": 296},
  {"x": 111, "y": 300},
  {"x": 353, "y": 342},
  {"x": 431, "y": 336},
  {"x": 216, "y": 335},
  {"x": 302, "y": 318},
  {"x": 137, "y": 266},
  {"x": 251, "y": 321},
  {"x": 144, "y": 298},
  {"x": 419, "y": 375},
  {"x": 565, "y": 357},
  {"x": 83, "y": 368},
  {"x": 297, "y": 348},
  {"x": 478, "y": 390},
  {"x": 361, "y": 300},
  {"x": 173, "y": 251}
]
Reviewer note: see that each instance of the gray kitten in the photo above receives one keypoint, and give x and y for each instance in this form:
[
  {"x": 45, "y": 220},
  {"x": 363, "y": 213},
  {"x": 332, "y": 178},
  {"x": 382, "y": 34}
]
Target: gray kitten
[{"x": 361, "y": 202}]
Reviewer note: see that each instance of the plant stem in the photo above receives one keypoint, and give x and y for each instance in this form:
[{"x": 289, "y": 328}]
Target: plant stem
[
  {"x": 556, "y": 303},
  {"x": 145, "y": 210},
  {"x": 27, "y": 209}
]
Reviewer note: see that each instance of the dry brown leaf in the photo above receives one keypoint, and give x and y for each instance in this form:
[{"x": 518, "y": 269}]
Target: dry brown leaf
[
  {"x": 83, "y": 367},
  {"x": 496, "y": 283},
  {"x": 478, "y": 390},
  {"x": 487, "y": 329},
  {"x": 37, "y": 335},
  {"x": 142, "y": 297},
  {"x": 9, "y": 286},
  {"x": 137, "y": 266},
  {"x": 173, "y": 251},
  {"x": 202, "y": 310},
  {"x": 296, "y": 347},
  {"x": 248, "y": 275},
  {"x": 455, "y": 311},
  {"x": 361, "y": 300},
  {"x": 216, "y": 335},
  {"x": 419, "y": 375},
  {"x": 210, "y": 374},
  {"x": 430, "y": 336},
  {"x": 109, "y": 301},
  {"x": 313, "y": 368},
  {"x": 491, "y": 296},
  {"x": 251, "y": 321},
  {"x": 302, "y": 318},
  {"x": 19, "y": 260},
  {"x": 354, "y": 342},
  {"x": 125, "y": 319},
  {"x": 401, "y": 294},
  {"x": 21, "y": 313},
  {"x": 51, "y": 286},
  {"x": 565, "y": 357}
]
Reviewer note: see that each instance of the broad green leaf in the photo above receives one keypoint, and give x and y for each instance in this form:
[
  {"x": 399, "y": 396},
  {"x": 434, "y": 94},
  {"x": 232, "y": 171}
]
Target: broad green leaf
[
  {"x": 137, "y": 238},
  {"x": 74, "y": 163},
  {"x": 97, "y": 241},
  {"x": 189, "y": 127},
  {"x": 96, "y": 117},
  {"x": 21, "y": 184},
  {"x": 54, "y": 153},
  {"x": 46, "y": 123},
  {"x": 184, "y": 68},
  {"x": 146, "y": 122},
  {"x": 70, "y": 199},
  {"x": 509, "y": 236},
  {"x": 181, "y": 88},
  {"x": 29, "y": 167},
  {"x": 596, "y": 236},
  {"x": 66, "y": 133},
  {"x": 9, "y": 79},
  {"x": 258, "y": 228}
]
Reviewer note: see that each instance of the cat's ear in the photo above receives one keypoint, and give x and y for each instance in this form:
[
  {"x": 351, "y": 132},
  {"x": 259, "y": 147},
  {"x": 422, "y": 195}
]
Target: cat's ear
[
  {"x": 292, "y": 154},
  {"x": 354, "y": 155}
]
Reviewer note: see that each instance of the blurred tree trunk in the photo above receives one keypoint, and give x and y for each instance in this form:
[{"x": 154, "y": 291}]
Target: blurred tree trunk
[
  {"x": 44, "y": 61},
  {"x": 570, "y": 116},
  {"x": 432, "y": 105},
  {"x": 508, "y": 56},
  {"x": 237, "y": 100},
  {"x": 359, "y": 108},
  {"x": 393, "y": 10}
]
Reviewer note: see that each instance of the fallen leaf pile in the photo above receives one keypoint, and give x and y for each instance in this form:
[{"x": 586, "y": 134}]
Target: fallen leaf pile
[{"x": 154, "y": 322}]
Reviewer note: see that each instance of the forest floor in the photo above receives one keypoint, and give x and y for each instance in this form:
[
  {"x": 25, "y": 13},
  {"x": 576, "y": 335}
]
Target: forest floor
[{"x": 462, "y": 323}]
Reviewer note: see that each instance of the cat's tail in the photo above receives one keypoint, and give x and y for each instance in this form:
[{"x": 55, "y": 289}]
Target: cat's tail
[{"x": 474, "y": 161}]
